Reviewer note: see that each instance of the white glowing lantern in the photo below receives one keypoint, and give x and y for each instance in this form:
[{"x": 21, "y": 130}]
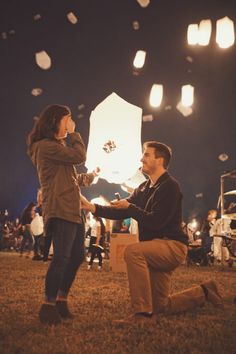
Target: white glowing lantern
[
  {"x": 143, "y": 3},
  {"x": 156, "y": 95},
  {"x": 192, "y": 34},
  {"x": 225, "y": 35},
  {"x": 133, "y": 182},
  {"x": 115, "y": 139},
  {"x": 139, "y": 59},
  {"x": 43, "y": 60},
  {"x": 187, "y": 97},
  {"x": 204, "y": 32}
]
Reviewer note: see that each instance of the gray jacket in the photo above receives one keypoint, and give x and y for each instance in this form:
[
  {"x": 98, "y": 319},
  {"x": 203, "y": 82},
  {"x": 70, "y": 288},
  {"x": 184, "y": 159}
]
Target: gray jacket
[{"x": 59, "y": 180}]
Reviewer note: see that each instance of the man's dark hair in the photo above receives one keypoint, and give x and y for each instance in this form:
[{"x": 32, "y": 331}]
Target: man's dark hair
[
  {"x": 161, "y": 150},
  {"x": 47, "y": 124}
]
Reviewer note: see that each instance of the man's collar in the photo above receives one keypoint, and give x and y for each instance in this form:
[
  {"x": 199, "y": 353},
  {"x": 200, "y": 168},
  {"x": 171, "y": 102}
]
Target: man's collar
[{"x": 161, "y": 179}]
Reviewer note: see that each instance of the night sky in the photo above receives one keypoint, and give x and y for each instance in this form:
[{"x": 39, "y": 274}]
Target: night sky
[{"x": 92, "y": 59}]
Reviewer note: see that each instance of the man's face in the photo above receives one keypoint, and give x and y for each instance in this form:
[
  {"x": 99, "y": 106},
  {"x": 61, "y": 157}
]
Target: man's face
[{"x": 149, "y": 161}]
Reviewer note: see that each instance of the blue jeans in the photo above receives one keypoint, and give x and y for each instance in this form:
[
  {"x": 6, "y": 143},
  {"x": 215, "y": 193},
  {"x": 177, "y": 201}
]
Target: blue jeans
[{"x": 68, "y": 255}]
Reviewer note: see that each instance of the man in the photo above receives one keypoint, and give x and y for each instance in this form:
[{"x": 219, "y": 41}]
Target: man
[{"x": 157, "y": 206}]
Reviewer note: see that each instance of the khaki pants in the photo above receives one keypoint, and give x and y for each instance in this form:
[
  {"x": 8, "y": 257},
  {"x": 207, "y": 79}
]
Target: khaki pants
[{"x": 150, "y": 265}]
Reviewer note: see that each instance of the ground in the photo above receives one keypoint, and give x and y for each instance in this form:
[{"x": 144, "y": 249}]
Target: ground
[{"x": 97, "y": 298}]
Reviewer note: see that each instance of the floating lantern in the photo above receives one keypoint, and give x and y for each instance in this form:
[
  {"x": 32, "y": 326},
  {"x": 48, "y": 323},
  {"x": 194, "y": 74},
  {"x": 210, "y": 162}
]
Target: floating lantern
[
  {"x": 156, "y": 95},
  {"x": 139, "y": 59},
  {"x": 187, "y": 95},
  {"x": 115, "y": 139},
  {"x": 225, "y": 35},
  {"x": 43, "y": 60},
  {"x": 204, "y": 32},
  {"x": 192, "y": 34}
]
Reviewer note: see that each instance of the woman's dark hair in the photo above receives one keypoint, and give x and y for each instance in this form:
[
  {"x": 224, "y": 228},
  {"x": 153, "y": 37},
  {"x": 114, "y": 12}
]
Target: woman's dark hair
[{"x": 48, "y": 123}]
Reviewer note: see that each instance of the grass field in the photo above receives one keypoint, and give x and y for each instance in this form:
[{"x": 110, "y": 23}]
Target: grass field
[{"x": 97, "y": 298}]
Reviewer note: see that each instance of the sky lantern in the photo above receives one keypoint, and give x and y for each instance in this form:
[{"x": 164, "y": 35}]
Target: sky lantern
[
  {"x": 192, "y": 34},
  {"x": 204, "y": 32},
  {"x": 43, "y": 60},
  {"x": 187, "y": 96},
  {"x": 139, "y": 59},
  {"x": 115, "y": 139},
  {"x": 156, "y": 95},
  {"x": 225, "y": 35},
  {"x": 143, "y": 3}
]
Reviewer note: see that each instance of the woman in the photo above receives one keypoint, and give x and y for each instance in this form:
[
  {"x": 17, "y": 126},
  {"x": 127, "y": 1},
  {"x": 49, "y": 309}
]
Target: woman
[{"x": 55, "y": 161}]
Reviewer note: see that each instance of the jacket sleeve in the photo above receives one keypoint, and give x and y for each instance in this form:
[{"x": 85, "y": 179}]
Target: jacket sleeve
[
  {"x": 67, "y": 155},
  {"x": 163, "y": 208},
  {"x": 108, "y": 212}
]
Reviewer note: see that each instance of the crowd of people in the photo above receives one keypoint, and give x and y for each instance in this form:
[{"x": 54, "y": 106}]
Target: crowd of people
[{"x": 55, "y": 148}]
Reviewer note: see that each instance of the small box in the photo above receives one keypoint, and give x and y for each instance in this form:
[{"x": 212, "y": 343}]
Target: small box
[{"x": 118, "y": 243}]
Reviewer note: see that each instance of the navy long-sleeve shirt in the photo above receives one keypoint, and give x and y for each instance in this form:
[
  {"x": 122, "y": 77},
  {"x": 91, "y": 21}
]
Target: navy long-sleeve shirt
[{"x": 157, "y": 209}]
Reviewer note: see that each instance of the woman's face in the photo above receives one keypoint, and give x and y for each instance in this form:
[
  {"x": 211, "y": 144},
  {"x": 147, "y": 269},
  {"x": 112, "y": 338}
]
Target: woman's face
[{"x": 62, "y": 129}]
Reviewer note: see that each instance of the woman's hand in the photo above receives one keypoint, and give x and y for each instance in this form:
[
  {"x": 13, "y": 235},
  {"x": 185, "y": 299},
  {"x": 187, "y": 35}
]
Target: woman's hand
[{"x": 85, "y": 204}]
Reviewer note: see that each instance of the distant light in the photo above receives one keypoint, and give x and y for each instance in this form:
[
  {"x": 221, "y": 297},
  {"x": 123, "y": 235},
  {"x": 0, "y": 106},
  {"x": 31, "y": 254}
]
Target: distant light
[
  {"x": 223, "y": 157},
  {"x": 139, "y": 59},
  {"x": 193, "y": 225},
  {"x": 189, "y": 59},
  {"x": 225, "y": 36},
  {"x": 198, "y": 233},
  {"x": 147, "y": 118},
  {"x": 136, "y": 25},
  {"x": 143, "y": 3},
  {"x": 185, "y": 111},
  {"x": 204, "y": 32},
  {"x": 4, "y": 35},
  {"x": 199, "y": 195},
  {"x": 37, "y": 17},
  {"x": 192, "y": 34},
  {"x": 72, "y": 18},
  {"x": 36, "y": 91},
  {"x": 43, "y": 60},
  {"x": 187, "y": 96},
  {"x": 81, "y": 106},
  {"x": 156, "y": 95}
]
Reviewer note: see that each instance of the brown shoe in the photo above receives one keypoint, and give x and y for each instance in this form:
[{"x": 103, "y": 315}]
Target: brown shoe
[
  {"x": 136, "y": 319},
  {"x": 212, "y": 294}
]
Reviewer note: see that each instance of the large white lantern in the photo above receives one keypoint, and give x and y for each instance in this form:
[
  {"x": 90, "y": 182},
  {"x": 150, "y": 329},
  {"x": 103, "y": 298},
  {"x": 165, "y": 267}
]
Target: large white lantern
[
  {"x": 225, "y": 35},
  {"x": 115, "y": 139},
  {"x": 156, "y": 95},
  {"x": 204, "y": 32},
  {"x": 187, "y": 97},
  {"x": 192, "y": 34},
  {"x": 139, "y": 59}
]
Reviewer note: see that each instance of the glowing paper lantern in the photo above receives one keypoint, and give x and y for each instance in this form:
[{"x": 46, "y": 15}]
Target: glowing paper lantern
[
  {"x": 143, "y": 3},
  {"x": 185, "y": 111},
  {"x": 115, "y": 139},
  {"x": 72, "y": 18},
  {"x": 187, "y": 95},
  {"x": 156, "y": 95},
  {"x": 43, "y": 60},
  {"x": 192, "y": 34},
  {"x": 139, "y": 59},
  {"x": 133, "y": 182},
  {"x": 204, "y": 32},
  {"x": 225, "y": 32}
]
